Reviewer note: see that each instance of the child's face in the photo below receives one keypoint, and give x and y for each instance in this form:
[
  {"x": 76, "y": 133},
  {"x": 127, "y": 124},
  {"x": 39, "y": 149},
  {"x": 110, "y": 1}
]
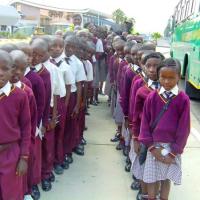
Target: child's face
[
  {"x": 168, "y": 78},
  {"x": 69, "y": 50},
  {"x": 57, "y": 49},
  {"x": 29, "y": 53},
  {"x": 151, "y": 67},
  {"x": 38, "y": 56},
  {"x": 139, "y": 57},
  {"x": 17, "y": 71},
  {"x": 4, "y": 73},
  {"x": 134, "y": 56},
  {"x": 127, "y": 55},
  {"x": 120, "y": 51}
]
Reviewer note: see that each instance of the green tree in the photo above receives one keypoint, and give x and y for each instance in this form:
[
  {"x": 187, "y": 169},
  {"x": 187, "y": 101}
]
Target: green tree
[
  {"x": 119, "y": 16},
  {"x": 156, "y": 36}
]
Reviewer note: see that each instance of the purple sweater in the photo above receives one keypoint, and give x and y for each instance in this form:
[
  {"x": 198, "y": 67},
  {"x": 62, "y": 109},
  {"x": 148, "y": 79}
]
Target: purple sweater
[
  {"x": 140, "y": 98},
  {"x": 136, "y": 84},
  {"x": 39, "y": 93},
  {"x": 173, "y": 127},
  {"x": 45, "y": 75},
  {"x": 15, "y": 120},
  {"x": 33, "y": 110},
  {"x": 129, "y": 75}
]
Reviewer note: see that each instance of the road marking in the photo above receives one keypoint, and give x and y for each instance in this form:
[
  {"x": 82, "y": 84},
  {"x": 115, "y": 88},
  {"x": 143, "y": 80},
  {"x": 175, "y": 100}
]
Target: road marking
[{"x": 195, "y": 133}]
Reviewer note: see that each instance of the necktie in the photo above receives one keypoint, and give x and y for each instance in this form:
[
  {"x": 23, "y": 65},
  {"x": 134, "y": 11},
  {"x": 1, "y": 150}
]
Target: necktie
[
  {"x": 139, "y": 70},
  {"x": 53, "y": 61},
  {"x": 155, "y": 84},
  {"x": 67, "y": 59},
  {"x": 168, "y": 94},
  {"x": 32, "y": 69}
]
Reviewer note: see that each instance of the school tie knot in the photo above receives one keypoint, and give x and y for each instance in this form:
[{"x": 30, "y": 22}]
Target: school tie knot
[
  {"x": 52, "y": 60},
  {"x": 168, "y": 94},
  {"x": 67, "y": 59},
  {"x": 155, "y": 84},
  {"x": 139, "y": 70},
  {"x": 32, "y": 69}
]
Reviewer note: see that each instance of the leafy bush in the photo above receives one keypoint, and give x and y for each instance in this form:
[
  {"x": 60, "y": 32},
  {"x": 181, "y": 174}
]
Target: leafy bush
[{"x": 18, "y": 36}]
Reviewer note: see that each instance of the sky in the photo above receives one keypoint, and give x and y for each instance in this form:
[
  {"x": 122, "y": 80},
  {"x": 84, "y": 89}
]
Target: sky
[{"x": 150, "y": 15}]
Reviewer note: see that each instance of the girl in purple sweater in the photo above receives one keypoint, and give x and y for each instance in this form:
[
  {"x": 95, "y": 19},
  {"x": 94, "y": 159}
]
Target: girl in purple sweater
[{"x": 166, "y": 142}]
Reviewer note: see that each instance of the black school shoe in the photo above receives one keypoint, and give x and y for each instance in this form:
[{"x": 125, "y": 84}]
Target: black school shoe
[
  {"x": 135, "y": 185},
  {"x": 65, "y": 164},
  {"x": 58, "y": 169},
  {"x": 128, "y": 167},
  {"x": 69, "y": 159},
  {"x": 46, "y": 185},
  {"x": 126, "y": 150},
  {"x": 83, "y": 141},
  {"x": 116, "y": 138},
  {"x": 52, "y": 177},
  {"x": 35, "y": 192},
  {"x": 79, "y": 151},
  {"x": 120, "y": 146}
]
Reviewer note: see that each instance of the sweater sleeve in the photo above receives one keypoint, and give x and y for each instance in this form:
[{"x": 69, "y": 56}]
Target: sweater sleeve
[
  {"x": 25, "y": 126},
  {"x": 145, "y": 134},
  {"x": 183, "y": 129}
]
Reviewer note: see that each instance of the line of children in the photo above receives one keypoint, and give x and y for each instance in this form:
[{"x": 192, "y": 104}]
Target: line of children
[
  {"x": 48, "y": 80},
  {"x": 149, "y": 86}
]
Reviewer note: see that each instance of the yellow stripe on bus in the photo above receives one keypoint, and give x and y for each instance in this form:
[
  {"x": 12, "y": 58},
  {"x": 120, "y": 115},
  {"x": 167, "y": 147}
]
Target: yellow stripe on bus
[{"x": 197, "y": 87}]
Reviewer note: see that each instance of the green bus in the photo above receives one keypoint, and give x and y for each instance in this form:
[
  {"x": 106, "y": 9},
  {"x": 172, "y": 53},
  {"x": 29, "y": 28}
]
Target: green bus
[{"x": 185, "y": 43}]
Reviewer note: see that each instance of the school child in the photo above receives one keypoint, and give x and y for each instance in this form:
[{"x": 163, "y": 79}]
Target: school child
[
  {"x": 77, "y": 68},
  {"x": 20, "y": 64},
  {"x": 118, "y": 64},
  {"x": 40, "y": 47},
  {"x": 165, "y": 127},
  {"x": 152, "y": 62},
  {"x": 15, "y": 126},
  {"x": 39, "y": 93},
  {"x": 61, "y": 161},
  {"x": 11, "y": 47}
]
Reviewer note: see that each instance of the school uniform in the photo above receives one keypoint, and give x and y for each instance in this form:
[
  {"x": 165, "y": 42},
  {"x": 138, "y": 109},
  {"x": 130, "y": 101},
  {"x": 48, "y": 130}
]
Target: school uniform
[
  {"x": 68, "y": 79},
  {"x": 26, "y": 81},
  {"x": 28, "y": 178},
  {"x": 118, "y": 113},
  {"x": 141, "y": 95},
  {"x": 130, "y": 73},
  {"x": 171, "y": 132},
  {"x": 39, "y": 93},
  {"x": 15, "y": 136},
  {"x": 48, "y": 143},
  {"x": 45, "y": 75},
  {"x": 101, "y": 62},
  {"x": 135, "y": 85},
  {"x": 71, "y": 129},
  {"x": 112, "y": 78}
]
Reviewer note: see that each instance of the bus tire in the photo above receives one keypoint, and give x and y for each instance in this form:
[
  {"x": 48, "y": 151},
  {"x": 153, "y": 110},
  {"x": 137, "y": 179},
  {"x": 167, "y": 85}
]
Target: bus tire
[{"x": 190, "y": 90}]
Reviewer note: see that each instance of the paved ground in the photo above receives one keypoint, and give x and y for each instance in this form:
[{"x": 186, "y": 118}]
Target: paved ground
[{"x": 100, "y": 175}]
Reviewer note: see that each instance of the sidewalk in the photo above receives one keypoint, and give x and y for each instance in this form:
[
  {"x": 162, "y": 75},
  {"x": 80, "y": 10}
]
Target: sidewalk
[{"x": 100, "y": 175}]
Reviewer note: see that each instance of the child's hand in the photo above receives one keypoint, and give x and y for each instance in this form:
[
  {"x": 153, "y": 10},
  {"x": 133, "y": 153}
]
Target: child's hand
[
  {"x": 157, "y": 154},
  {"x": 136, "y": 147},
  {"x": 169, "y": 160},
  {"x": 22, "y": 167}
]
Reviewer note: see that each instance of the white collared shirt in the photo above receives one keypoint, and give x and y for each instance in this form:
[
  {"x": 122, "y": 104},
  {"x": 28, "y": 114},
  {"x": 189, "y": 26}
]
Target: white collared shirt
[
  {"x": 174, "y": 90},
  {"x": 18, "y": 84},
  {"x": 136, "y": 67},
  {"x": 59, "y": 58},
  {"x": 99, "y": 46},
  {"x": 27, "y": 71},
  {"x": 57, "y": 83},
  {"x": 150, "y": 84},
  {"x": 66, "y": 73},
  {"x": 6, "y": 89},
  {"x": 78, "y": 71},
  {"x": 89, "y": 69},
  {"x": 38, "y": 67}
]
